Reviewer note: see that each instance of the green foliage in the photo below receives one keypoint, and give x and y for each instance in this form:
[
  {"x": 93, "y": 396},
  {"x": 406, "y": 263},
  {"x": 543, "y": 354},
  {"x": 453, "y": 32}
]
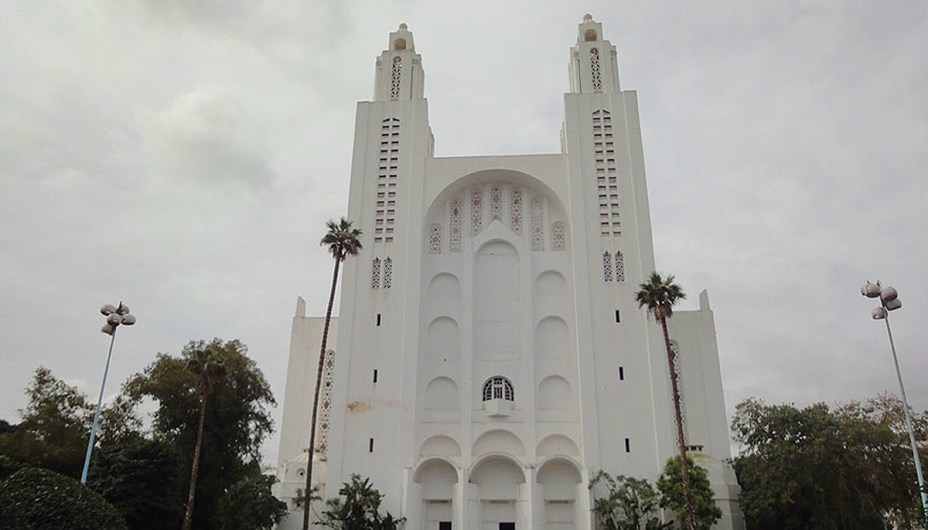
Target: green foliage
[
  {"x": 821, "y": 468},
  {"x": 56, "y": 424},
  {"x": 141, "y": 478},
  {"x": 659, "y": 294},
  {"x": 8, "y": 466},
  {"x": 35, "y": 498},
  {"x": 628, "y": 504},
  {"x": 360, "y": 509},
  {"x": 670, "y": 484},
  {"x": 236, "y": 422},
  {"x": 249, "y": 505},
  {"x": 341, "y": 239}
]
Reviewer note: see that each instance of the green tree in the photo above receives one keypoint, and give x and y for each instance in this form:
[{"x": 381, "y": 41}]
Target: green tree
[
  {"x": 342, "y": 241},
  {"x": 141, "y": 478},
  {"x": 628, "y": 503},
  {"x": 670, "y": 485},
  {"x": 208, "y": 366},
  {"x": 815, "y": 467},
  {"x": 56, "y": 423},
  {"x": 360, "y": 509},
  {"x": 234, "y": 425},
  {"x": 34, "y": 498},
  {"x": 249, "y": 505},
  {"x": 659, "y": 295}
]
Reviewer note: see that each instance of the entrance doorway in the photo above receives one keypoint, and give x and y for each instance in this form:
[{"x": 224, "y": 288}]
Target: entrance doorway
[{"x": 498, "y": 515}]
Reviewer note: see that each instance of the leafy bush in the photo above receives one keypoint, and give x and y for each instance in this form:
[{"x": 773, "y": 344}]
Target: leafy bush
[{"x": 33, "y": 498}]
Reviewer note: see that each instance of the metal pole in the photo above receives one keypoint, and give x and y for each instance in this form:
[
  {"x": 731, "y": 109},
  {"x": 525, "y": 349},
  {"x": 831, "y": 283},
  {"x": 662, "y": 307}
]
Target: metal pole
[
  {"x": 96, "y": 416},
  {"x": 908, "y": 420}
]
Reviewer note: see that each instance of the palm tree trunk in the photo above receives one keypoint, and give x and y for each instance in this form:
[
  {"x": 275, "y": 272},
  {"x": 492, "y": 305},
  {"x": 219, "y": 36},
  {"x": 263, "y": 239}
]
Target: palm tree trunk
[
  {"x": 188, "y": 516},
  {"x": 312, "y": 423},
  {"x": 681, "y": 439}
]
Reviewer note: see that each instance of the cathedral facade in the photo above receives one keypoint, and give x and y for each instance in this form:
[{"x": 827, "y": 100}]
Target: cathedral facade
[{"x": 489, "y": 357}]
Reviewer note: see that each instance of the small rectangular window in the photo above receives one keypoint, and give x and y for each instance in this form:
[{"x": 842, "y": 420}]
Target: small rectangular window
[
  {"x": 618, "y": 317},
  {"x": 444, "y": 525},
  {"x": 621, "y": 374},
  {"x": 628, "y": 445},
  {"x": 370, "y": 445},
  {"x": 379, "y": 319},
  {"x": 375, "y": 375}
]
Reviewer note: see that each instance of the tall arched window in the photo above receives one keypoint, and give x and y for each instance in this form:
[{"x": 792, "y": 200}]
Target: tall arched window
[{"x": 498, "y": 388}]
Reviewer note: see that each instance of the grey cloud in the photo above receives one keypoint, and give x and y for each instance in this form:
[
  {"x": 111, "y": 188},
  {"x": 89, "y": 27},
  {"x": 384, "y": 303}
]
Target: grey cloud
[{"x": 204, "y": 135}]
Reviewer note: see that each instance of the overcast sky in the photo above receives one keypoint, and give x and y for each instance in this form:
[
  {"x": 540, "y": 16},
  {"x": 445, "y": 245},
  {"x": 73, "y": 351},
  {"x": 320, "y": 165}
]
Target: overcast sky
[{"x": 183, "y": 156}]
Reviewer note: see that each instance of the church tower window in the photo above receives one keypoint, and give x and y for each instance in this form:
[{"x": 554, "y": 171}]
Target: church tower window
[
  {"x": 596, "y": 70},
  {"x": 375, "y": 274},
  {"x": 498, "y": 388},
  {"x": 607, "y": 187},
  {"x": 395, "y": 78},
  {"x": 387, "y": 273},
  {"x": 607, "y": 266},
  {"x": 619, "y": 267},
  {"x": 385, "y": 212}
]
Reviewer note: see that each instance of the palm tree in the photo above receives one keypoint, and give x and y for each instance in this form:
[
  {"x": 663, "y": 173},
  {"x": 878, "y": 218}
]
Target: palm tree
[
  {"x": 208, "y": 366},
  {"x": 342, "y": 241},
  {"x": 659, "y": 295}
]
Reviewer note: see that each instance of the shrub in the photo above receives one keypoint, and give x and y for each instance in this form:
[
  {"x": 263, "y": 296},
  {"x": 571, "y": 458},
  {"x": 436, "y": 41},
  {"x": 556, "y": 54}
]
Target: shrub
[{"x": 34, "y": 498}]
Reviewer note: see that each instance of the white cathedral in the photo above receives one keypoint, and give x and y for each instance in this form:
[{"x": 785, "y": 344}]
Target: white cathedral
[{"x": 489, "y": 357}]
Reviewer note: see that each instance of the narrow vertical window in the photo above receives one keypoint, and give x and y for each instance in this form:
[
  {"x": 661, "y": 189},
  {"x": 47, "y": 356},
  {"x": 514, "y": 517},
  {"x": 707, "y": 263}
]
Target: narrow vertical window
[
  {"x": 375, "y": 274},
  {"x": 558, "y": 236},
  {"x": 496, "y": 203},
  {"x": 621, "y": 373},
  {"x": 455, "y": 243},
  {"x": 395, "y": 78},
  {"x": 628, "y": 445},
  {"x": 370, "y": 445},
  {"x": 379, "y": 319},
  {"x": 618, "y": 317},
  {"x": 538, "y": 223},
  {"x": 435, "y": 239},
  {"x": 387, "y": 273},
  {"x": 619, "y": 267},
  {"x": 375, "y": 375},
  {"x": 515, "y": 211},
  {"x": 476, "y": 211},
  {"x": 596, "y": 70}
]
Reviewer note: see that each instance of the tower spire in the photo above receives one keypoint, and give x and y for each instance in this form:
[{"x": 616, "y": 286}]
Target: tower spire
[
  {"x": 399, "y": 69},
  {"x": 593, "y": 65}
]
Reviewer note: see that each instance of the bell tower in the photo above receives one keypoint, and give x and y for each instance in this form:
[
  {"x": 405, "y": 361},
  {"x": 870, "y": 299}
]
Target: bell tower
[
  {"x": 593, "y": 65},
  {"x": 399, "y": 69}
]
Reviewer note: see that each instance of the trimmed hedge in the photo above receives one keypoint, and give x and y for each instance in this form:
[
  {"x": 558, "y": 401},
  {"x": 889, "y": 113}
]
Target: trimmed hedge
[{"x": 35, "y": 498}]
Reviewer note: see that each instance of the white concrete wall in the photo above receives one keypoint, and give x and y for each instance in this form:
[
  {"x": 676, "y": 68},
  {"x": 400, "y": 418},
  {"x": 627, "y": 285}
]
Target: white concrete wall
[{"x": 505, "y": 296}]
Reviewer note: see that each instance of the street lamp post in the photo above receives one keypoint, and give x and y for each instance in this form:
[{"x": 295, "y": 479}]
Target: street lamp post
[
  {"x": 115, "y": 316},
  {"x": 889, "y": 301}
]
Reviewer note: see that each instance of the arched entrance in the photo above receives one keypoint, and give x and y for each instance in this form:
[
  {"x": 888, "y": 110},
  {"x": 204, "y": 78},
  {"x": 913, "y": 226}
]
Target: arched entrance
[
  {"x": 437, "y": 479},
  {"x": 499, "y": 484}
]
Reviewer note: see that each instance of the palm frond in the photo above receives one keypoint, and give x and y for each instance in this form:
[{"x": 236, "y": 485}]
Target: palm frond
[
  {"x": 659, "y": 294},
  {"x": 341, "y": 239}
]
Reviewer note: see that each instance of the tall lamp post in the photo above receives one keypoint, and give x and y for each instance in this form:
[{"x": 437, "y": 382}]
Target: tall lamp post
[
  {"x": 115, "y": 316},
  {"x": 889, "y": 301}
]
